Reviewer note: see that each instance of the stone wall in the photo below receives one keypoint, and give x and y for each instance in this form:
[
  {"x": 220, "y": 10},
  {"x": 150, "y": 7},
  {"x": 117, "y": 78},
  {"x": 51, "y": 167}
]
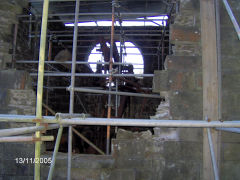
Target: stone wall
[
  {"x": 230, "y": 53},
  {"x": 184, "y": 79},
  {"x": 16, "y": 97},
  {"x": 8, "y": 17}
]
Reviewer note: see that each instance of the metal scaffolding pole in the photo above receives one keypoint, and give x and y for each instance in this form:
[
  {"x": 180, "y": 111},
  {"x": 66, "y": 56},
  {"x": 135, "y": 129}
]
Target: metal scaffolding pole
[
  {"x": 40, "y": 85},
  {"x": 214, "y": 162},
  {"x": 115, "y": 93},
  {"x": 70, "y": 62},
  {"x": 71, "y": 108},
  {"x": 102, "y": 34},
  {"x": 26, "y": 130},
  {"x": 233, "y": 130},
  {"x": 150, "y": 123},
  {"x": 232, "y": 17},
  {"x": 110, "y": 78},
  {"x": 93, "y": 75},
  {"x": 102, "y": 14},
  {"x": 57, "y": 143},
  {"x": 122, "y": 122},
  {"x": 26, "y": 139}
]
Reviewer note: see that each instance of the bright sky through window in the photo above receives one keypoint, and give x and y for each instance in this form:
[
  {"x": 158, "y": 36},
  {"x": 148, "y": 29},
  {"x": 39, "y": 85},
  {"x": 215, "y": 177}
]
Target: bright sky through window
[
  {"x": 156, "y": 21},
  {"x": 131, "y": 55}
]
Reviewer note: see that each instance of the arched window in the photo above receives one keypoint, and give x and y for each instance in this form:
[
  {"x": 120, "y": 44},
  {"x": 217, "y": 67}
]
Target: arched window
[{"x": 131, "y": 54}]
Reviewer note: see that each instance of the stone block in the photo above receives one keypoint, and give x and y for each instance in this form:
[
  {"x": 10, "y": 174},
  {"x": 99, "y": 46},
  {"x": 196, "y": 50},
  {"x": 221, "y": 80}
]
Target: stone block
[
  {"x": 231, "y": 81},
  {"x": 136, "y": 148},
  {"x": 186, "y": 49},
  {"x": 24, "y": 98},
  {"x": 160, "y": 81},
  {"x": 122, "y": 174},
  {"x": 15, "y": 169},
  {"x": 193, "y": 5},
  {"x": 231, "y": 151},
  {"x": 133, "y": 163},
  {"x": 228, "y": 137},
  {"x": 15, "y": 79},
  {"x": 18, "y": 150},
  {"x": 185, "y": 34},
  {"x": 185, "y": 151},
  {"x": 144, "y": 174},
  {"x": 230, "y": 63},
  {"x": 188, "y": 18},
  {"x": 158, "y": 167},
  {"x": 185, "y": 81},
  {"x": 181, "y": 171},
  {"x": 230, "y": 102},
  {"x": 184, "y": 63},
  {"x": 92, "y": 161},
  {"x": 230, "y": 170},
  {"x": 186, "y": 105}
]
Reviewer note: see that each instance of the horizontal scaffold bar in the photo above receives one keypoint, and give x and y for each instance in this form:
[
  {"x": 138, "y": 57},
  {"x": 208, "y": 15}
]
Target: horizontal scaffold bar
[
  {"x": 92, "y": 75},
  {"x": 70, "y": 62},
  {"x": 25, "y": 139},
  {"x": 79, "y": 89},
  {"x": 123, "y": 122}
]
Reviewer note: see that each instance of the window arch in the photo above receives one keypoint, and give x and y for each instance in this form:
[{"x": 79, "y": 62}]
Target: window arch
[{"x": 131, "y": 54}]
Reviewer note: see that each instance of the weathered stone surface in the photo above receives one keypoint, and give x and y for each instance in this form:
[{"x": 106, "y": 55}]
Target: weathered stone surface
[
  {"x": 228, "y": 137},
  {"x": 186, "y": 49},
  {"x": 188, "y": 18},
  {"x": 231, "y": 151},
  {"x": 230, "y": 103},
  {"x": 184, "y": 63},
  {"x": 185, "y": 34},
  {"x": 185, "y": 81},
  {"x": 182, "y": 151},
  {"x": 230, "y": 170},
  {"x": 181, "y": 171},
  {"x": 186, "y": 105},
  {"x": 189, "y": 5},
  {"x": 160, "y": 81},
  {"x": 124, "y": 134},
  {"x": 14, "y": 79},
  {"x": 122, "y": 174}
]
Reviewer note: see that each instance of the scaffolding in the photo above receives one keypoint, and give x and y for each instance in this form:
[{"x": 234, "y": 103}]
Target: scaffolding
[{"x": 60, "y": 120}]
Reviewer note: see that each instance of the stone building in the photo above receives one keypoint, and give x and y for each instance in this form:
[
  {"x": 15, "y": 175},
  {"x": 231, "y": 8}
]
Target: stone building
[{"x": 175, "y": 64}]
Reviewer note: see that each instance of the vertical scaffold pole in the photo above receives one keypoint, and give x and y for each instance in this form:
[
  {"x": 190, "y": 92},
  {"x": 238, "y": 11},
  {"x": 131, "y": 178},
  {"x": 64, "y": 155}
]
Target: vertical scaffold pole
[
  {"x": 40, "y": 85},
  {"x": 110, "y": 77},
  {"x": 71, "y": 106}
]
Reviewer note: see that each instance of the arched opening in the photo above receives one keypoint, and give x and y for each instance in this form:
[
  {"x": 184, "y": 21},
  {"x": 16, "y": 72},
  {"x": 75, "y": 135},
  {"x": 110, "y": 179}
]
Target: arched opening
[{"x": 131, "y": 55}]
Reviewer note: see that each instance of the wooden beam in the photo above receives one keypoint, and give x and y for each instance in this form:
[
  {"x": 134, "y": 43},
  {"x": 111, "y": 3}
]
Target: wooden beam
[{"x": 210, "y": 82}]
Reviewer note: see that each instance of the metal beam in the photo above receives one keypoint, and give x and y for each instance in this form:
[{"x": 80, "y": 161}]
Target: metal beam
[
  {"x": 115, "y": 93},
  {"x": 232, "y": 17},
  {"x": 214, "y": 162},
  {"x": 26, "y": 139},
  {"x": 233, "y": 130},
  {"x": 122, "y": 122},
  {"x": 71, "y": 103},
  {"x": 93, "y": 75},
  {"x": 70, "y": 62},
  {"x": 26, "y": 130},
  {"x": 57, "y": 143}
]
